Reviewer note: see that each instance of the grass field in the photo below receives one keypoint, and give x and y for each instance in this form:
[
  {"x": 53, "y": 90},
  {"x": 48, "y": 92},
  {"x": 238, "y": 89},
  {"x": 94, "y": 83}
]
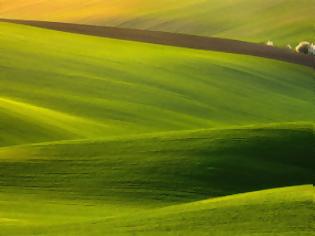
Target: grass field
[
  {"x": 108, "y": 137},
  {"x": 283, "y": 21},
  {"x": 142, "y": 184},
  {"x": 187, "y": 164},
  {"x": 283, "y": 211},
  {"x": 98, "y": 87}
]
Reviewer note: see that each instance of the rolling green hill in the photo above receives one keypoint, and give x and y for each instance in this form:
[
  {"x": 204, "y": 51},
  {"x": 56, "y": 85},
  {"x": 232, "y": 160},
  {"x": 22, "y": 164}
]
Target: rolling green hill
[
  {"x": 109, "y": 137},
  {"x": 177, "y": 166},
  {"x": 64, "y": 86},
  {"x": 283, "y": 21},
  {"x": 284, "y": 211},
  {"x": 137, "y": 184},
  {"x": 244, "y": 214}
]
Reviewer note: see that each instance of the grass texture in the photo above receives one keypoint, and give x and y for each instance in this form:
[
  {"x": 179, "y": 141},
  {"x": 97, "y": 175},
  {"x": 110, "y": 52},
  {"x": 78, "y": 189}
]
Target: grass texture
[
  {"x": 108, "y": 137},
  {"x": 63, "y": 86}
]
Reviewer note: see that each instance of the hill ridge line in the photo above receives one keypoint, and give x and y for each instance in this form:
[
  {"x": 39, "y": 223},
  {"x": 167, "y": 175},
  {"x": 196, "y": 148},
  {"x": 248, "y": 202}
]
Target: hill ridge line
[
  {"x": 175, "y": 39},
  {"x": 175, "y": 134}
]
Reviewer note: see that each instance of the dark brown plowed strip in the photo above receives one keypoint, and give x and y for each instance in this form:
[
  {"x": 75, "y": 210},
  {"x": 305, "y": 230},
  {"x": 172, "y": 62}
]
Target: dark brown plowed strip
[{"x": 178, "y": 40}]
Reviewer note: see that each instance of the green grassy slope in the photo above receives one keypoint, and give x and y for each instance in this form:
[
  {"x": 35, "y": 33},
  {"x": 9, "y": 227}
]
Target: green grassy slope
[
  {"x": 109, "y": 137},
  {"x": 270, "y": 212},
  {"x": 283, "y": 211},
  {"x": 180, "y": 166},
  {"x": 63, "y": 86},
  {"x": 137, "y": 185},
  {"x": 283, "y": 21}
]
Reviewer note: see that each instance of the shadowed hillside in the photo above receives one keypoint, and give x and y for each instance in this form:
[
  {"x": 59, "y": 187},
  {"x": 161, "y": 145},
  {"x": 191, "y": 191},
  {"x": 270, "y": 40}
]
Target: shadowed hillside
[{"x": 168, "y": 167}]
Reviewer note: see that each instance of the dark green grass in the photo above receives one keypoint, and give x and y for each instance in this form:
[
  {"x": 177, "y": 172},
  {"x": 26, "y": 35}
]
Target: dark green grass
[
  {"x": 165, "y": 168},
  {"x": 155, "y": 184}
]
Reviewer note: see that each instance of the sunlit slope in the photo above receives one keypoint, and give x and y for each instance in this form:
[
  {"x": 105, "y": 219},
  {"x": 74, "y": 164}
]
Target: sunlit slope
[
  {"x": 284, "y": 21},
  {"x": 283, "y": 211},
  {"x": 170, "y": 167},
  {"x": 57, "y": 86}
]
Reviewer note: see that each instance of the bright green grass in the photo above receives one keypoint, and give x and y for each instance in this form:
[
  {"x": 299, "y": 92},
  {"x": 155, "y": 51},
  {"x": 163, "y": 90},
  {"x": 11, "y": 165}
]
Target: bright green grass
[
  {"x": 286, "y": 211},
  {"x": 57, "y": 86},
  {"x": 283, "y": 211},
  {"x": 283, "y": 21}
]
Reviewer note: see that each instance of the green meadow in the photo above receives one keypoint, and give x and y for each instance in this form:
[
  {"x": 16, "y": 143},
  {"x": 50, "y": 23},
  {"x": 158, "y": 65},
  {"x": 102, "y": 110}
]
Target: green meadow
[
  {"x": 63, "y": 86},
  {"x": 178, "y": 183},
  {"x": 108, "y": 137}
]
